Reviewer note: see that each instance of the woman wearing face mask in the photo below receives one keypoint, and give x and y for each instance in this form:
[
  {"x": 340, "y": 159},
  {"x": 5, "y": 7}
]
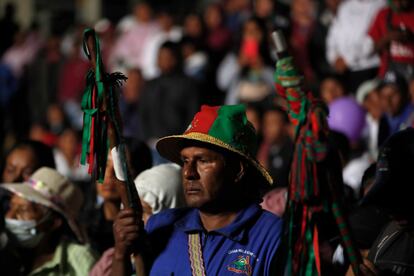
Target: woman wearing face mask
[{"x": 41, "y": 221}]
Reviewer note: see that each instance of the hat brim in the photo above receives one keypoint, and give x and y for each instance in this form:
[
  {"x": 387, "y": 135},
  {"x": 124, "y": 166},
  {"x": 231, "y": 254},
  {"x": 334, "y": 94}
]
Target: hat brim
[
  {"x": 27, "y": 192},
  {"x": 170, "y": 147}
]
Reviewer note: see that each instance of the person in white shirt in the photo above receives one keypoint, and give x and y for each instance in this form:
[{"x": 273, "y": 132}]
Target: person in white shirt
[{"x": 349, "y": 48}]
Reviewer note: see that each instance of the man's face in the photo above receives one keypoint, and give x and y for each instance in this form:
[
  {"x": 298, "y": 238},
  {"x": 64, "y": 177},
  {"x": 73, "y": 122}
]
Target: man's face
[{"x": 204, "y": 176}]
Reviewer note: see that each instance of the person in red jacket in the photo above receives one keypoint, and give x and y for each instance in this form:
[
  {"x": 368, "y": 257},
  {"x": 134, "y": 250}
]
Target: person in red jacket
[{"x": 393, "y": 34}]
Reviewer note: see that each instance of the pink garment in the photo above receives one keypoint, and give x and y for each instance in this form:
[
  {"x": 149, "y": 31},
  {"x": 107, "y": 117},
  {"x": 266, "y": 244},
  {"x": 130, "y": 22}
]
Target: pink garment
[
  {"x": 18, "y": 56},
  {"x": 129, "y": 48},
  {"x": 275, "y": 201},
  {"x": 104, "y": 266}
]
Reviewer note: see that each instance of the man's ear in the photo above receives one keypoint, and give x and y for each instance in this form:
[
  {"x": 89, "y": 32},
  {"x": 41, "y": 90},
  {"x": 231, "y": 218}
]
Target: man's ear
[{"x": 240, "y": 172}]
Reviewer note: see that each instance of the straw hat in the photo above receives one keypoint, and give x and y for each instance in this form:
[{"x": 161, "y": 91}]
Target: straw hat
[
  {"x": 225, "y": 127},
  {"x": 49, "y": 188}
]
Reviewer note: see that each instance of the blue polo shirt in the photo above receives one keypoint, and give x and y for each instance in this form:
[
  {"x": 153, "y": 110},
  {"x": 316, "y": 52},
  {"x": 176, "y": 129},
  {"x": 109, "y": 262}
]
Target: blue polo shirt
[{"x": 245, "y": 247}]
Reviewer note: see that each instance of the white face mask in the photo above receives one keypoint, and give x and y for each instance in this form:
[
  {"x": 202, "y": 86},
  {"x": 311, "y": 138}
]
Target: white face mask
[{"x": 25, "y": 231}]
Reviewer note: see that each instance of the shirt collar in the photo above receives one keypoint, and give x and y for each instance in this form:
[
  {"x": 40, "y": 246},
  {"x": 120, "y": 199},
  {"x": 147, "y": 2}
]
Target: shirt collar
[{"x": 235, "y": 231}]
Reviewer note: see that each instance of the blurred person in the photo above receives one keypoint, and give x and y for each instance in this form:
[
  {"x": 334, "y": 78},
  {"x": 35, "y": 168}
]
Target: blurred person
[
  {"x": 129, "y": 103},
  {"x": 159, "y": 189},
  {"x": 303, "y": 18},
  {"x": 20, "y": 162},
  {"x": 392, "y": 32},
  {"x": 40, "y": 132},
  {"x": 193, "y": 27},
  {"x": 399, "y": 112},
  {"x": 411, "y": 89},
  {"x": 43, "y": 227},
  {"x": 141, "y": 12},
  {"x": 368, "y": 97},
  {"x": 72, "y": 77},
  {"x": 218, "y": 173},
  {"x": 317, "y": 45},
  {"x": 218, "y": 37},
  {"x": 8, "y": 27},
  {"x": 246, "y": 74},
  {"x": 195, "y": 59},
  {"x": 237, "y": 11},
  {"x": 168, "y": 101},
  {"x": 130, "y": 45},
  {"x": 24, "y": 158},
  {"x": 274, "y": 13},
  {"x": 331, "y": 88},
  {"x": 393, "y": 250},
  {"x": 43, "y": 74},
  {"x": 106, "y": 31},
  {"x": 100, "y": 218},
  {"x": 253, "y": 115},
  {"x": 104, "y": 199},
  {"x": 23, "y": 51},
  {"x": 8, "y": 89},
  {"x": 275, "y": 152},
  {"x": 169, "y": 31},
  {"x": 56, "y": 119},
  {"x": 349, "y": 49},
  {"x": 67, "y": 156}
]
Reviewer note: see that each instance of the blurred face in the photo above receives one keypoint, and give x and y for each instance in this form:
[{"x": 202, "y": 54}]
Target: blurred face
[
  {"x": 331, "y": 90},
  {"x": 23, "y": 209},
  {"x": 133, "y": 86},
  {"x": 166, "y": 60},
  {"x": 55, "y": 116},
  {"x": 143, "y": 12},
  {"x": 108, "y": 190},
  {"x": 203, "y": 176},
  {"x": 372, "y": 104},
  {"x": 212, "y": 17},
  {"x": 263, "y": 8},
  {"x": 391, "y": 100},
  {"x": 274, "y": 126},
  {"x": 20, "y": 164},
  {"x": 68, "y": 141},
  {"x": 252, "y": 31},
  {"x": 192, "y": 26},
  {"x": 166, "y": 21}
]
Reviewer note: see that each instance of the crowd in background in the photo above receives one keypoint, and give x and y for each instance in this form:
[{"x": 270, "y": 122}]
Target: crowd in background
[{"x": 357, "y": 55}]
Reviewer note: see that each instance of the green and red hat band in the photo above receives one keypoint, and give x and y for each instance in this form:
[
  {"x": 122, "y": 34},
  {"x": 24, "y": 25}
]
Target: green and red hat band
[{"x": 228, "y": 124}]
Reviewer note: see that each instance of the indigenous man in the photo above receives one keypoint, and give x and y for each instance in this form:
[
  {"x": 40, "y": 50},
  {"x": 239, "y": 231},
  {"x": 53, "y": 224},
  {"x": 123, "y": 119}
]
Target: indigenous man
[{"x": 224, "y": 231}]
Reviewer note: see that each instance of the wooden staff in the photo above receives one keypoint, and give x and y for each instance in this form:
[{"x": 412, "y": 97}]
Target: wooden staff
[{"x": 108, "y": 117}]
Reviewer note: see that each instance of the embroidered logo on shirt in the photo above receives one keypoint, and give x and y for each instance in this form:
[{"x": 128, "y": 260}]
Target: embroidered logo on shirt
[{"x": 241, "y": 266}]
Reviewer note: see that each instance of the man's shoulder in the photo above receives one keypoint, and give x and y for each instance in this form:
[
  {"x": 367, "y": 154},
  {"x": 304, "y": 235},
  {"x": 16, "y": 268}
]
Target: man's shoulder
[
  {"x": 165, "y": 218},
  {"x": 269, "y": 222}
]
